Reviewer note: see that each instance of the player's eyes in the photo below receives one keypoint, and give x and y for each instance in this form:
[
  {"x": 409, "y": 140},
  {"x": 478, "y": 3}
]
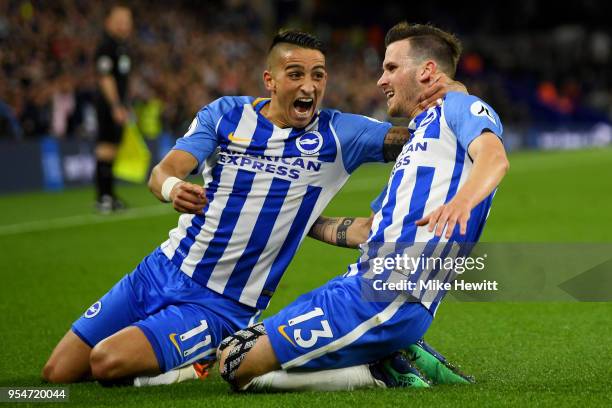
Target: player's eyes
[
  {"x": 295, "y": 75},
  {"x": 319, "y": 75}
]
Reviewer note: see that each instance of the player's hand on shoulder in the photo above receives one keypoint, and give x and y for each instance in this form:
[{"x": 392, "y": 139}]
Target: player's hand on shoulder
[
  {"x": 456, "y": 86},
  {"x": 438, "y": 88},
  {"x": 456, "y": 211},
  {"x": 188, "y": 198}
]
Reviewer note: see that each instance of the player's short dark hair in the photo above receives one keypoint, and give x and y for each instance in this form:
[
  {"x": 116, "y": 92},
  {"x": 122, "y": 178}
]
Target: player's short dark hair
[
  {"x": 299, "y": 38},
  {"x": 428, "y": 41}
]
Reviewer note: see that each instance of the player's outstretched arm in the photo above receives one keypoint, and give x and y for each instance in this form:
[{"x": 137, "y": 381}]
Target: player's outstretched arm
[
  {"x": 346, "y": 232},
  {"x": 490, "y": 167},
  {"x": 166, "y": 183}
]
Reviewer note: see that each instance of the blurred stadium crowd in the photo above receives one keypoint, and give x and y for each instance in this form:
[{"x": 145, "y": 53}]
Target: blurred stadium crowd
[{"x": 186, "y": 54}]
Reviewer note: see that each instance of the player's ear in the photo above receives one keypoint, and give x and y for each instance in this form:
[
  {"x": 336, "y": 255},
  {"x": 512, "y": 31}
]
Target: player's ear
[
  {"x": 426, "y": 71},
  {"x": 269, "y": 82}
]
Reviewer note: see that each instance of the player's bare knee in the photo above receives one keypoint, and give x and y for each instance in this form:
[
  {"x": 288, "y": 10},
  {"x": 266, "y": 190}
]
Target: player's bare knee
[
  {"x": 51, "y": 373},
  {"x": 56, "y": 372},
  {"x": 69, "y": 361},
  {"x": 105, "y": 363}
]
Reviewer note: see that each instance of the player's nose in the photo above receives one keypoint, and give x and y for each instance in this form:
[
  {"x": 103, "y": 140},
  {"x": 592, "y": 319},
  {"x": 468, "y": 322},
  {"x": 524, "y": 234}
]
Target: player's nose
[
  {"x": 382, "y": 81},
  {"x": 308, "y": 87}
]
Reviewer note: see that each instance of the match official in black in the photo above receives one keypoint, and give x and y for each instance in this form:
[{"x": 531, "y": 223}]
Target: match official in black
[{"x": 113, "y": 65}]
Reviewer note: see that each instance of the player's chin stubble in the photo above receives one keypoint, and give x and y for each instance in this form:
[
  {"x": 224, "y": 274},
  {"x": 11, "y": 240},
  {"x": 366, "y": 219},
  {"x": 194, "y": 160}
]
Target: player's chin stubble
[{"x": 396, "y": 109}]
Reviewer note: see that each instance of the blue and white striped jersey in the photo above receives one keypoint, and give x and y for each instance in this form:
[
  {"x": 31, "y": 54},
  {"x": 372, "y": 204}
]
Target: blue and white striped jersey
[
  {"x": 433, "y": 165},
  {"x": 265, "y": 186}
]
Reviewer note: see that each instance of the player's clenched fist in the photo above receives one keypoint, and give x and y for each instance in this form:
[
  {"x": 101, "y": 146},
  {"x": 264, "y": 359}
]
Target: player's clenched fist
[{"x": 188, "y": 197}]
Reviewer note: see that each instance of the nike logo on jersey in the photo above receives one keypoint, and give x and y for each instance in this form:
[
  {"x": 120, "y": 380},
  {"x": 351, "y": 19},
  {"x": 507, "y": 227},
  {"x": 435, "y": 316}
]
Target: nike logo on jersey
[{"x": 237, "y": 139}]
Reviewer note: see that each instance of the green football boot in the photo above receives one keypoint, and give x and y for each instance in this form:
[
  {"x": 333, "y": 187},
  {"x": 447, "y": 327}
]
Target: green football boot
[
  {"x": 435, "y": 366},
  {"x": 396, "y": 371}
]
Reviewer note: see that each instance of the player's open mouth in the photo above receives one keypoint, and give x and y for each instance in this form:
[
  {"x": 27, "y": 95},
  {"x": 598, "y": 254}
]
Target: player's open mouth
[
  {"x": 303, "y": 105},
  {"x": 389, "y": 94}
]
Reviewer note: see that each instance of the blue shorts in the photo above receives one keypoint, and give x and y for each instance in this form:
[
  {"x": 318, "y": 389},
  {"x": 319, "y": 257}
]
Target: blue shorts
[
  {"x": 183, "y": 320},
  {"x": 334, "y": 327}
]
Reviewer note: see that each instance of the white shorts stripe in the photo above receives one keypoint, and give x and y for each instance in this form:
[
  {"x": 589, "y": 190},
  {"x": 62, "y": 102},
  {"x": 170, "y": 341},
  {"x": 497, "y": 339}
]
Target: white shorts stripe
[
  {"x": 199, "y": 356},
  {"x": 195, "y": 331}
]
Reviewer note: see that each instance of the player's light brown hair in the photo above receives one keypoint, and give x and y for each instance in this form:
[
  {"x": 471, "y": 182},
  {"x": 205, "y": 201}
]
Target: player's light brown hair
[{"x": 427, "y": 41}]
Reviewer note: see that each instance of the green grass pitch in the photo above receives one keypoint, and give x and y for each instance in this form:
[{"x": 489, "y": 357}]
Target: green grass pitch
[{"x": 58, "y": 258}]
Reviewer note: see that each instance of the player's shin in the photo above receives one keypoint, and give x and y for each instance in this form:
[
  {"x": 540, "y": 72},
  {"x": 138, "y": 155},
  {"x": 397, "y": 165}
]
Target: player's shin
[
  {"x": 191, "y": 372},
  {"x": 341, "y": 379},
  {"x": 394, "y": 371}
]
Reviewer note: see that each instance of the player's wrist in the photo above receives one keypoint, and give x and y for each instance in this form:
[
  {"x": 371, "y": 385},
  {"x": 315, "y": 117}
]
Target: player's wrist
[
  {"x": 167, "y": 187},
  {"x": 463, "y": 201}
]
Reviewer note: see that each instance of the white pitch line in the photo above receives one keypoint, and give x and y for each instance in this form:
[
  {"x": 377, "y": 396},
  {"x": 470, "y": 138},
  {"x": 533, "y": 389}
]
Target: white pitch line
[
  {"x": 85, "y": 219},
  {"x": 364, "y": 184}
]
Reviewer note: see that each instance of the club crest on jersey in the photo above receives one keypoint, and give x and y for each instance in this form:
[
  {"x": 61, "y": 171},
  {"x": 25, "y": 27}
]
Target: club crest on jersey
[
  {"x": 93, "y": 310},
  {"x": 310, "y": 143},
  {"x": 480, "y": 109}
]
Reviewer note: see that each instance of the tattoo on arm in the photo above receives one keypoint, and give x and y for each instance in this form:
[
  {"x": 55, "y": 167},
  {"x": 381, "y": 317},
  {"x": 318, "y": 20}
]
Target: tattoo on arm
[
  {"x": 345, "y": 223},
  {"x": 323, "y": 229},
  {"x": 331, "y": 230},
  {"x": 395, "y": 139}
]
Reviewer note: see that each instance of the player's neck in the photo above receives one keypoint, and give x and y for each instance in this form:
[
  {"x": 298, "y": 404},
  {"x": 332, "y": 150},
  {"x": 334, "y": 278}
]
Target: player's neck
[
  {"x": 414, "y": 112},
  {"x": 270, "y": 113}
]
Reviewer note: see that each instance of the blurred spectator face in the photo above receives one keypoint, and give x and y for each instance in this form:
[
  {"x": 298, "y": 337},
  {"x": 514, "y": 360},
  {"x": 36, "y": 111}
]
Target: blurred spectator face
[
  {"x": 296, "y": 80},
  {"x": 399, "y": 79},
  {"x": 119, "y": 22}
]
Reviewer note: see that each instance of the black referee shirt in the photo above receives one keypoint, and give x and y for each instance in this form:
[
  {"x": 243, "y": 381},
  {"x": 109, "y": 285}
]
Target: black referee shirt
[{"x": 112, "y": 58}]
